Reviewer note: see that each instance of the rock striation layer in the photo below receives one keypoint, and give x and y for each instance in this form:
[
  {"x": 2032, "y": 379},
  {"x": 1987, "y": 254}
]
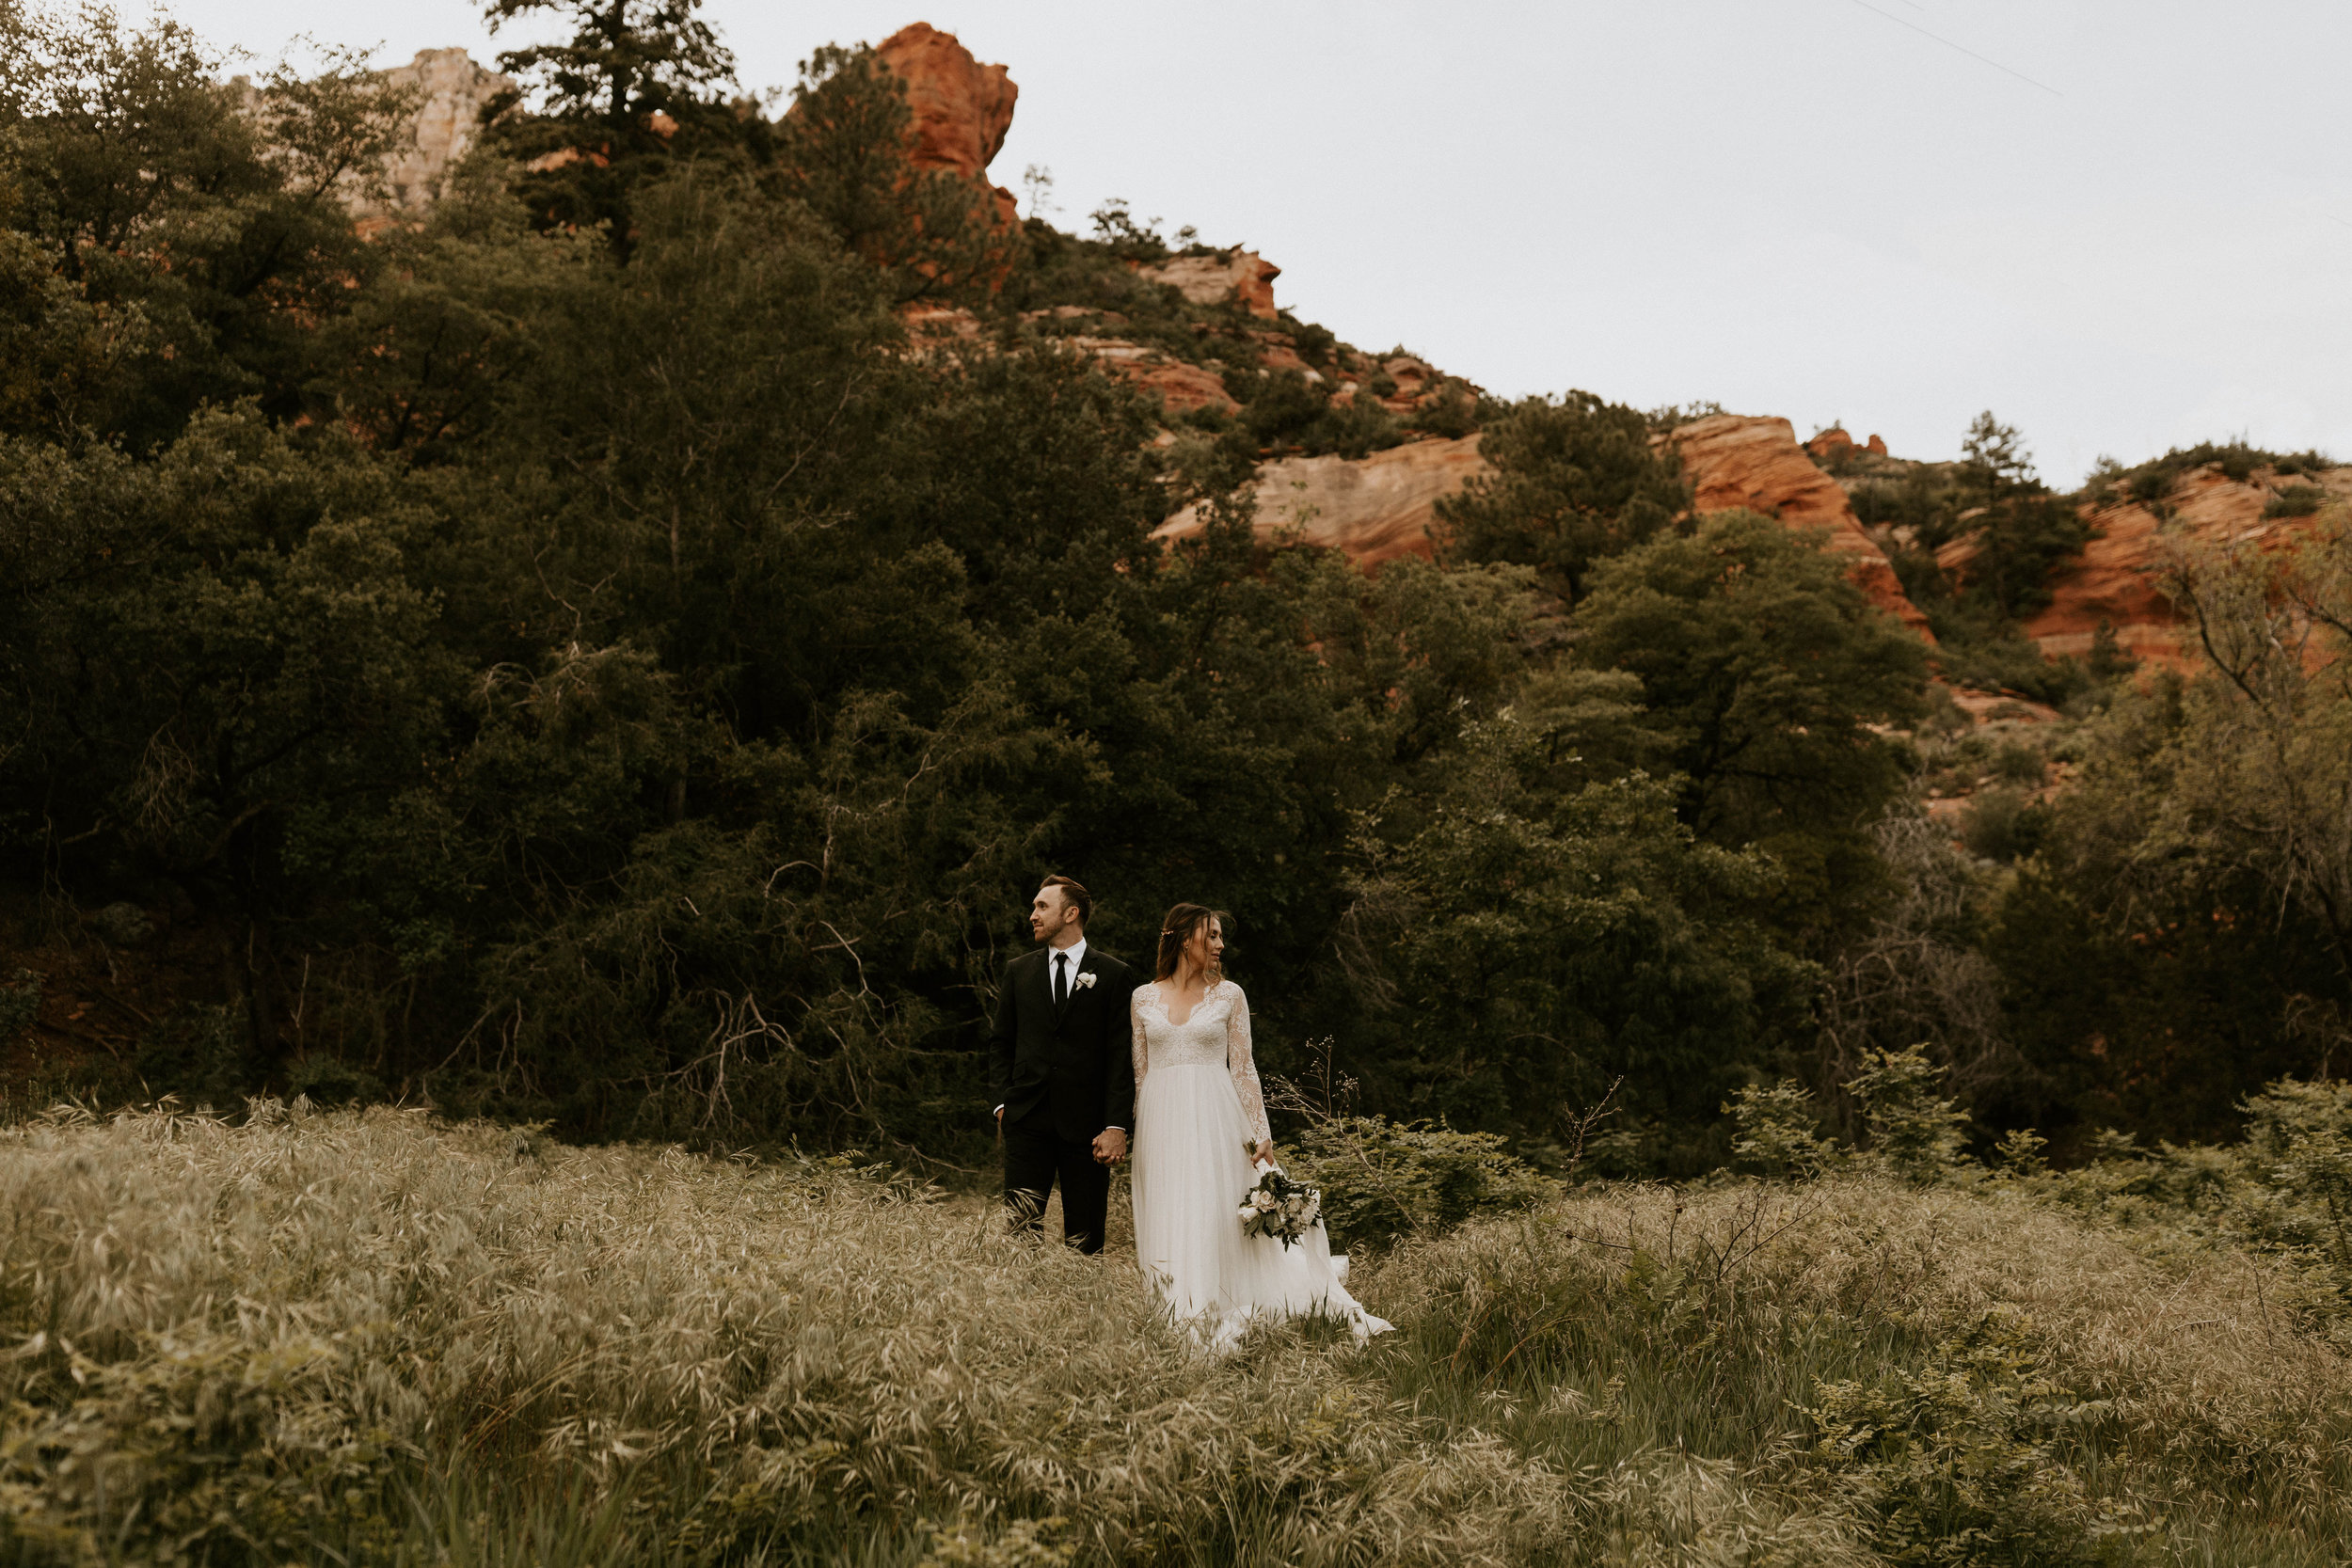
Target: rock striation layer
[
  {"x": 1376, "y": 508},
  {"x": 1735, "y": 460}
]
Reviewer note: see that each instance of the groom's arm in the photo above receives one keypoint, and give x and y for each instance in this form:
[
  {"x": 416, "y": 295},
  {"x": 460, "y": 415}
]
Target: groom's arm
[{"x": 1004, "y": 1035}]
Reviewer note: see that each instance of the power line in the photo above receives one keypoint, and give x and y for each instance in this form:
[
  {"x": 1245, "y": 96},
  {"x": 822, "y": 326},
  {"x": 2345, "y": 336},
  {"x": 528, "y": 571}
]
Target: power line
[{"x": 1950, "y": 44}]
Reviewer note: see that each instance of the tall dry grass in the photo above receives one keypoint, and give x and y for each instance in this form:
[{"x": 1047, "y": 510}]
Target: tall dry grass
[{"x": 373, "y": 1338}]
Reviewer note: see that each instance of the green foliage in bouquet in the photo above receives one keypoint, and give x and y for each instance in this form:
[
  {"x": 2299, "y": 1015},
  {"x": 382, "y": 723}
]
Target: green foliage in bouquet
[{"x": 1279, "y": 1207}]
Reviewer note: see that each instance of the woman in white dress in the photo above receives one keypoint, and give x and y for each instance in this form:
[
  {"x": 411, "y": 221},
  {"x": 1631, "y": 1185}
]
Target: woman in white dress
[{"x": 1200, "y": 1139}]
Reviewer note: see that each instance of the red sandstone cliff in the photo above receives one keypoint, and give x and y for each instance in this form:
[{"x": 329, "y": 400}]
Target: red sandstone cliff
[
  {"x": 1733, "y": 460},
  {"x": 961, "y": 108},
  {"x": 1381, "y": 507},
  {"x": 1375, "y": 508},
  {"x": 2115, "y": 579}
]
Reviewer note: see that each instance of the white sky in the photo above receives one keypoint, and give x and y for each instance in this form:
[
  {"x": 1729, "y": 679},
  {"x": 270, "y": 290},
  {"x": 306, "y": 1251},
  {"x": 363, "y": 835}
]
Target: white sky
[{"x": 1800, "y": 207}]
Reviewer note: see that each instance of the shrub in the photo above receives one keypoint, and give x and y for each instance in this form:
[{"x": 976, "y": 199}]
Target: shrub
[
  {"x": 20, "y": 1003},
  {"x": 2153, "y": 480},
  {"x": 2017, "y": 763},
  {"x": 1777, "y": 1128},
  {"x": 1911, "y": 1131},
  {"x": 1451, "y": 415},
  {"x": 2295, "y": 500},
  {"x": 1382, "y": 1179},
  {"x": 2001, "y": 825},
  {"x": 1953, "y": 1460},
  {"x": 2301, "y": 1136}
]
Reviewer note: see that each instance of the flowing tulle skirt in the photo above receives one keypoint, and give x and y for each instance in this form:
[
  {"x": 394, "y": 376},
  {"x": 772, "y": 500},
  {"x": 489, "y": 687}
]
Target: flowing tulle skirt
[{"x": 1191, "y": 1168}]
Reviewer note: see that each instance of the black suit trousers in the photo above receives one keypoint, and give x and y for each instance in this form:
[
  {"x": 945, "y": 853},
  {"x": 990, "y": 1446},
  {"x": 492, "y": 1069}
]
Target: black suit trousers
[{"x": 1035, "y": 1158}]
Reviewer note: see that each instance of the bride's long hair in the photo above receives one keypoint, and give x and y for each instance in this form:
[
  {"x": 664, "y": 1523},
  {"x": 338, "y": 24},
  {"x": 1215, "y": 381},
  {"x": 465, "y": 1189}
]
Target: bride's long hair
[{"x": 1177, "y": 930}]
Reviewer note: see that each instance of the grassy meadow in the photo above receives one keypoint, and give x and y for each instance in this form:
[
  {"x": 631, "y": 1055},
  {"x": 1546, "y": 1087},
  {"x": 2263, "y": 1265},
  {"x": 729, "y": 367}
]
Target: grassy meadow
[{"x": 378, "y": 1337}]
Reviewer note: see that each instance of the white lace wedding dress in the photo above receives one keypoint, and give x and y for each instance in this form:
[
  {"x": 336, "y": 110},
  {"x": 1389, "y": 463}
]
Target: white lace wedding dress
[{"x": 1198, "y": 1105}]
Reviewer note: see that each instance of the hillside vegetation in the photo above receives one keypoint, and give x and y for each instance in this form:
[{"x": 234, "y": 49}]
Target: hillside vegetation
[
  {"x": 580, "y": 657},
  {"x": 370, "y": 1338}
]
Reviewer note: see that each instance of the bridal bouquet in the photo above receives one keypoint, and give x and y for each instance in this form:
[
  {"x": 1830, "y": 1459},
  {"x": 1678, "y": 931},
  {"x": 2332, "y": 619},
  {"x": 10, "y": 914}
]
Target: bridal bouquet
[{"x": 1281, "y": 1208}]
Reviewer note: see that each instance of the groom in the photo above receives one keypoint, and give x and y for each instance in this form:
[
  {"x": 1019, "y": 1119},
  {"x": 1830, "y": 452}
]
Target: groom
[{"x": 1065, "y": 1080}]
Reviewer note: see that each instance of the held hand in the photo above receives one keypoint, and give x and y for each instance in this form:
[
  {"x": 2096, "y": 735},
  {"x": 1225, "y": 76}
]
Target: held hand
[
  {"x": 1110, "y": 1145},
  {"x": 1266, "y": 1151}
]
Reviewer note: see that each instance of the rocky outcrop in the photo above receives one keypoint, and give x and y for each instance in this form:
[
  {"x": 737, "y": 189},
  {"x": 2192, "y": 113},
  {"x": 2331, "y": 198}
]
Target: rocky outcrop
[
  {"x": 962, "y": 109},
  {"x": 2115, "y": 580},
  {"x": 1734, "y": 460},
  {"x": 952, "y": 330},
  {"x": 1235, "y": 277},
  {"x": 1182, "y": 387},
  {"x": 1375, "y": 508},
  {"x": 1834, "y": 446},
  {"x": 453, "y": 91}
]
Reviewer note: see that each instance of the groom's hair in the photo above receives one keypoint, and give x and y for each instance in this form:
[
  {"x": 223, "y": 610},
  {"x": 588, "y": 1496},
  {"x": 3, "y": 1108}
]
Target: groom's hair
[{"x": 1076, "y": 894}]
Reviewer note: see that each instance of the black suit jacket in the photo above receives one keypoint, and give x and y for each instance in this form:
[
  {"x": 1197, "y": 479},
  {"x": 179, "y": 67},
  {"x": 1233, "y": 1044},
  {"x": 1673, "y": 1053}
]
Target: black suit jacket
[{"x": 1074, "y": 1059}]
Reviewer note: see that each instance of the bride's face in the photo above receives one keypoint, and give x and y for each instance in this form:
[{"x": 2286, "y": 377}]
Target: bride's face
[{"x": 1205, "y": 945}]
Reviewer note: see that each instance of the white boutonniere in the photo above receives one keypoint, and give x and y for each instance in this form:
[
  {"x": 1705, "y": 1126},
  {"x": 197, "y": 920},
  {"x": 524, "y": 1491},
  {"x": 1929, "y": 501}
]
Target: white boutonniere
[{"x": 1085, "y": 981}]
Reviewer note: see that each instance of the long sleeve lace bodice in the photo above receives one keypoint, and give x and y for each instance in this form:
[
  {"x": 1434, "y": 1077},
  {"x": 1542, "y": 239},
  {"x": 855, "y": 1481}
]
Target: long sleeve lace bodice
[{"x": 1216, "y": 1033}]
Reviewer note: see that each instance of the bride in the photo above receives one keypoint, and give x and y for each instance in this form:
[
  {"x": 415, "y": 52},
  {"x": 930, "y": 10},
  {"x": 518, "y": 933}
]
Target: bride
[{"x": 1200, "y": 1133}]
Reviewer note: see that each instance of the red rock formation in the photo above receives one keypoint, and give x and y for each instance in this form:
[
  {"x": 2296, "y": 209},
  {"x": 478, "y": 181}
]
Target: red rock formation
[
  {"x": 1415, "y": 379},
  {"x": 1835, "y": 446},
  {"x": 1276, "y": 351},
  {"x": 1831, "y": 445},
  {"x": 1376, "y": 509},
  {"x": 1182, "y": 387},
  {"x": 961, "y": 108},
  {"x": 1241, "y": 276},
  {"x": 2115, "y": 579},
  {"x": 1733, "y": 460}
]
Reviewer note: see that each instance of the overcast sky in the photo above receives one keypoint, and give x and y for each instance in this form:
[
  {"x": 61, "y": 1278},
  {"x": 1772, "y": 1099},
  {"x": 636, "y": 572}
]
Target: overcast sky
[{"x": 2122, "y": 225}]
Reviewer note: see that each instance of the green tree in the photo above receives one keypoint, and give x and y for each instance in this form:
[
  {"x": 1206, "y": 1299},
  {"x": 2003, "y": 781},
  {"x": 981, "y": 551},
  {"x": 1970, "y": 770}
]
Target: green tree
[
  {"x": 1766, "y": 670},
  {"x": 1527, "y": 947},
  {"x": 2264, "y": 780},
  {"x": 1994, "y": 456},
  {"x": 192, "y": 240},
  {"x": 2153, "y": 977},
  {"x": 225, "y": 667},
  {"x": 610, "y": 105},
  {"x": 842, "y": 150},
  {"x": 1574, "y": 481},
  {"x": 625, "y": 61}
]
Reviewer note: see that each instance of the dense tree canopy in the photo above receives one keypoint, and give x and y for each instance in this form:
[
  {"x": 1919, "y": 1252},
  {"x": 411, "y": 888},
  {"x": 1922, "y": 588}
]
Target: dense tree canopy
[{"x": 575, "y": 656}]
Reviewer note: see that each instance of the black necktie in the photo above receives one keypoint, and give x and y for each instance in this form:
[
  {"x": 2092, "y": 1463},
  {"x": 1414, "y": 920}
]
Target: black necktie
[{"x": 1062, "y": 978}]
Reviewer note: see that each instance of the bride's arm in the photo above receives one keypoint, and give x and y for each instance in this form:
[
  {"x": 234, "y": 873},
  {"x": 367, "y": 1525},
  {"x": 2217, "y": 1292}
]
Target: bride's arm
[
  {"x": 1135, "y": 1023},
  {"x": 1245, "y": 1069}
]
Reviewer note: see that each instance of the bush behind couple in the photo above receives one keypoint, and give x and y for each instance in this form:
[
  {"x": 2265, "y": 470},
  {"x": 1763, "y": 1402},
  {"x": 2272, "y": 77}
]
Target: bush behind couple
[{"x": 1060, "y": 1055}]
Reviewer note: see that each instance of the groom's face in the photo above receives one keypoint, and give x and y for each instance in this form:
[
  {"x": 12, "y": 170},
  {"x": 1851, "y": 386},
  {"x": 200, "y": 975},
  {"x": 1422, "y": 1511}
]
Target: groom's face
[{"x": 1050, "y": 913}]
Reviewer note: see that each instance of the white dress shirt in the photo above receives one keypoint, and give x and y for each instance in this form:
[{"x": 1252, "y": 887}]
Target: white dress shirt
[{"x": 1077, "y": 952}]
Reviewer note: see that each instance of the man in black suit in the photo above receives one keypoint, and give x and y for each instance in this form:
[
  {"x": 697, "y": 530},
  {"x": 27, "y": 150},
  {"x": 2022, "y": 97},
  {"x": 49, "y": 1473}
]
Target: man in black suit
[{"x": 1064, "y": 1076}]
